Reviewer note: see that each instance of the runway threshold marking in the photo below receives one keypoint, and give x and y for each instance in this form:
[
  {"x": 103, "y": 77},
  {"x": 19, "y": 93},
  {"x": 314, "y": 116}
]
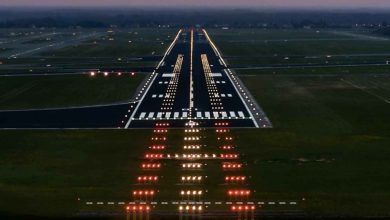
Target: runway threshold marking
[{"x": 239, "y": 115}]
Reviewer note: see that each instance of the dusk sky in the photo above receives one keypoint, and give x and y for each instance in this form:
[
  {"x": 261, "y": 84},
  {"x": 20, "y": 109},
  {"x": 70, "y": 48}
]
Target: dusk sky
[{"x": 228, "y": 3}]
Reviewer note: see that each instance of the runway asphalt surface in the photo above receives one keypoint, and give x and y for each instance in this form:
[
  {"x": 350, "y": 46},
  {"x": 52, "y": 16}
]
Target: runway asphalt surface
[{"x": 191, "y": 83}]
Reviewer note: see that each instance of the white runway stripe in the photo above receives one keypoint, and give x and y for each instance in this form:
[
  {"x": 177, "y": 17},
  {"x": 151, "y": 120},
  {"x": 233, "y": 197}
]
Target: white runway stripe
[{"x": 199, "y": 115}]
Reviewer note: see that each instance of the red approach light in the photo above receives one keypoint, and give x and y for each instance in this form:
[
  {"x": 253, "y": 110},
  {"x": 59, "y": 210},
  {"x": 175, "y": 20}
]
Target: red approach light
[
  {"x": 228, "y": 156},
  {"x": 222, "y": 124},
  {"x": 150, "y": 165},
  {"x": 235, "y": 178},
  {"x": 157, "y": 147},
  {"x": 154, "y": 156},
  {"x": 147, "y": 178},
  {"x": 160, "y": 130},
  {"x": 245, "y": 208},
  {"x": 132, "y": 74},
  {"x": 240, "y": 192},
  {"x": 138, "y": 208},
  {"x": 162, "y": 124},
  {"x": 226, "y": 165},
  {"x": 227, "y": 147},
  {"x": 143, "y": 193},
  {"x": 159, "y": 138},
  {"x": 222, "y": 130}
]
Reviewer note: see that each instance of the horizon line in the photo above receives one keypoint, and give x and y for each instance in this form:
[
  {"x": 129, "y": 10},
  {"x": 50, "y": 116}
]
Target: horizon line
[{"x": 186, "y": 7}]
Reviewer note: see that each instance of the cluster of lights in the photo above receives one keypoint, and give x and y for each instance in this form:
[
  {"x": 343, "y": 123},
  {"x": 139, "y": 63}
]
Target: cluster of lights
[
  {"x": 227, "y": 147},
  {"x": 151, "y": 165},
  {"x": 191, "y": 192},
  {"x": 228, "y": 156},
  {"x": 143, "y": 192},
  {"x": 231, "y": 165},
  {"x": 147, "y": 178},
  {"x": 217, "y": 108},
  {"x": 191, "y": 147},
  {"x": 222, "y": 130},
  {"x": 194, "y": 156},
  {"x": 138, "y": 208},
  {"x": 212, "y": 89},
  {"x": 191, "y": 138},
  {"x": 191, "y": 165},
  {"x": 92, "y": 73},
  {"x": 162, "y": 124},
  {"x": 166, "y": 108},
  {"x": 192, "y": 124},
  {"x": 191, "y": 156},
  {"x": 191, "y": 178},
  {"x": 159, "y": 138},
  {"x": 190, "y": 208},
  {"x": 172, "y": 87},
  {"x": 154, "y": 156},
  {"x": 235, "y": 178},
  {"x": 160, "y": 130},
  {"x": 226, "y": 138},
  {"x": 192, "y": 130},
  {"x": 240, "y": 208},
  {"x": 157, "y": 147},
  {"x": 222, "y": 124},
  {"x": 242, "y": 192}
]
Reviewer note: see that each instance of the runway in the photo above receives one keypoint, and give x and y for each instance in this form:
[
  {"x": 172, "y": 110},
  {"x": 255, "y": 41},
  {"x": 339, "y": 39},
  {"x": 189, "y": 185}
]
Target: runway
[
  {"x": 191, "y": 83},
  {"x": 194, "y": 83}
]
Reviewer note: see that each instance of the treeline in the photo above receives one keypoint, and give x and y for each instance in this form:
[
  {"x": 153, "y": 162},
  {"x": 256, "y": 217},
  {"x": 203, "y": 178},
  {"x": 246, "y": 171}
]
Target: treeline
[{"x": 99, "y": 18}]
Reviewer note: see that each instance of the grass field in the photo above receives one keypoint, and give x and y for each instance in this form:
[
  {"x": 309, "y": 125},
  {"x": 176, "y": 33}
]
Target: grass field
[
  {"x": 262, "y": 47},
  {"x": 306, "y": 71},
  {"x": 124, "y": 48},
  {"x": 328, "y": 151},
  {"x": 121, "y": 43},
  {"x": 18, "y": 92}
]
